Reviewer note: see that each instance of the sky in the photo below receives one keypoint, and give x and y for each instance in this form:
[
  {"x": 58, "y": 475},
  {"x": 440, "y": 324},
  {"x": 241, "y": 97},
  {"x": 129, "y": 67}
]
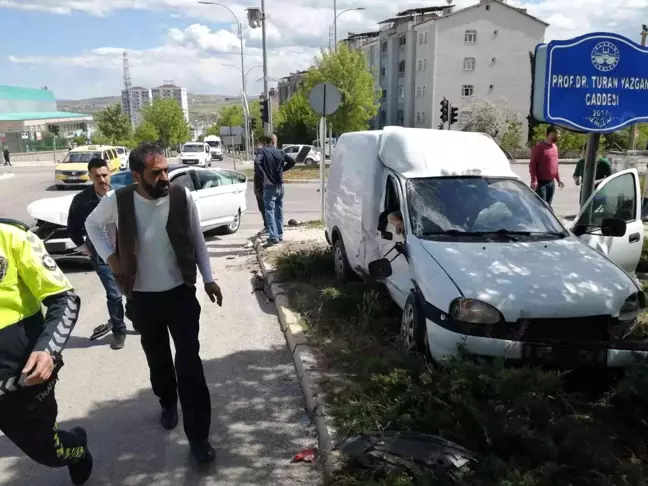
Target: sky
[{"x": 74, "y": 47}]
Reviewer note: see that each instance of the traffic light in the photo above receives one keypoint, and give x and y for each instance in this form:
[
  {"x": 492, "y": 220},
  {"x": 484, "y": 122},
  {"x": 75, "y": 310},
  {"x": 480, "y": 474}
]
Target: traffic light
[
  {"x": 453, "y": 115},
  {"x": 253, "y": 123},
  {"x": 264, "y": 111},
  {"x": 53, "y": 129},
  {"x": 444, "y": 110}
]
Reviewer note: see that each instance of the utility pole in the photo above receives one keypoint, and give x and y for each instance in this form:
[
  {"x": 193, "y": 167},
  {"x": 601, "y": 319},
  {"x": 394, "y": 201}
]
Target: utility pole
[
  {"x": 335, "y": 25},
  {"x": 266, "y": 93},
  {"x": 633, "y": 128}
]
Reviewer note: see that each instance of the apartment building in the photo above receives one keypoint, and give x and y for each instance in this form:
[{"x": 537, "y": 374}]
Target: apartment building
[
  {"x": 133, "y": 101},
  {"x": 479, "y": 52},
  {"x": 169, "y": 90},
  {"x": 289, "y": 85}
]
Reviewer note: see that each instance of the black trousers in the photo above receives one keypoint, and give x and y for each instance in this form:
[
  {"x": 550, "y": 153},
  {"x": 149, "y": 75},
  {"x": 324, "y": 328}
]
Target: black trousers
[
  {"x": 261, "y": 205},
  {"x": 28, "y": 419},
  {"x": 176, "y": 311}
]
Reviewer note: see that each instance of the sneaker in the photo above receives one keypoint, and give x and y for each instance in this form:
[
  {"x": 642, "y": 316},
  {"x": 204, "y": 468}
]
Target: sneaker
[
  {"x": 101, "y": 331},
  {"x": 203, "y": 452},
  {"x": 80, "y": 471},
  {"x": 270, "y": 243},
  {"x": 169, "y": 418},
  {"x": 119, "y": 341}
]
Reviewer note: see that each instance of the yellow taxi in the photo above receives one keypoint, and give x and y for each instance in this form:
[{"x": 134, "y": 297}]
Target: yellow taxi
[{"x": 73, "y": 171}]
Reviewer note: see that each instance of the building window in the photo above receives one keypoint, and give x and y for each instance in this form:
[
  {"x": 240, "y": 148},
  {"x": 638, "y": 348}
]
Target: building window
[
  {"x": 424, "y": 64},
  {"x": 402, "y": 41},
  {"x": 401, "y": 92},
  {"x": 401, "y": 68},
  {"x": 487, "y": 7},
  {"x": 491, "y": 88},
  {"x": 401, "y": 117},
  {"x": 420, "y": 65},
  {"x": 423, "y": 90},
  {"x": 469, "y": 64},
  {"x": 418, "y": 92},
  {"x": 384, "y": 94},
  {"x": 425, "y": 38},
  {"x": 467, "y": 90},
  {"x": 470, "y": 37},
  {"x": 420, "y": 39},
  {"x": 383, "y": 71},
  {"x": 423, "y": 118},
  {"x": 383, "y": 47},
  {"x": 418, "y": 118}
]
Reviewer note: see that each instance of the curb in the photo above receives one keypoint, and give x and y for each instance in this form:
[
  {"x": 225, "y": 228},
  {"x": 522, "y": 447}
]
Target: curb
[{"x": 303, "y": 359}]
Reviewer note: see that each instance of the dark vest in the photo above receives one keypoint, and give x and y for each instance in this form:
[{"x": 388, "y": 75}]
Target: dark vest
[{"x": 178, "y": 228}]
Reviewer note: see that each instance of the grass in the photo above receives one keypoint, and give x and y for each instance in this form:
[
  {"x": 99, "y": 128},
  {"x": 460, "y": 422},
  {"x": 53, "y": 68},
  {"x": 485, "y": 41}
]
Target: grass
[
  {"x": 299, "y": 172},
  {"x": 527, "y": 427}
]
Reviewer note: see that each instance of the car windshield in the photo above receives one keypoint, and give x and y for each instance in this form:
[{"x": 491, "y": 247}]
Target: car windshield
[
  {"x": 76, "y": 157},
  {"x": 121, "y": 179},
  {"x": 192, "y": 148},
  {"x": 213, "y": 143},
  {"x": 477, "y": 206}
]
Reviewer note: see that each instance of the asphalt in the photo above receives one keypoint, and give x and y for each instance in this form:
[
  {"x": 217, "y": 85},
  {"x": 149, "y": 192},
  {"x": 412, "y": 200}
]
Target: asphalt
[{"x": 258, "y": 421}]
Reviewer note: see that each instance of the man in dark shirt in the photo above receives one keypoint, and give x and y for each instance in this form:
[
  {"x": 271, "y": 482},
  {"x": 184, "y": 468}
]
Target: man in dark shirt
[
  {"x": 270, "y": 163},
  {"x": 258, "y": 189},
  {"x": 543, "y": 167},
  {"x": 7, "y": 157}
]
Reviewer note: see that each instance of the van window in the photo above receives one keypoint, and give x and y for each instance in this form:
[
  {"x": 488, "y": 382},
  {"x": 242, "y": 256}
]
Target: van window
[
  {"x": 477, "y": 205},
  {"x": 392, "y": 203}
]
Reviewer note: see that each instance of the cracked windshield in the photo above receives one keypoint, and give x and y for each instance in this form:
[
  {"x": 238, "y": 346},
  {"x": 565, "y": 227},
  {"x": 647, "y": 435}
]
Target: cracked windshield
[{"x": 321, "y": 242}]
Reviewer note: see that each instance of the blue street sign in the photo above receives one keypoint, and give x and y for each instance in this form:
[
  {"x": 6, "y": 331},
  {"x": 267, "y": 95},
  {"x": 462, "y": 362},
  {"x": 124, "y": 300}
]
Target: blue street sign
[{"x": 595, "y": 83}]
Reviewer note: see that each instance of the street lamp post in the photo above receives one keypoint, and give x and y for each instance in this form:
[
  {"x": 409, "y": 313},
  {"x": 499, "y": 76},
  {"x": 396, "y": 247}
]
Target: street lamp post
[
  {"x": 240, "y": 36},
  {"x": 336, "y": 18},
  {"x": 257, "y": 18}
]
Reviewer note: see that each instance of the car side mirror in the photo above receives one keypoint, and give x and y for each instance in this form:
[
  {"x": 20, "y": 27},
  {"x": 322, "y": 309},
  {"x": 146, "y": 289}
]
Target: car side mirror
[
  {"x": 380, "y": 269},
  {"x": 613, "y": 227},
  {"x": 579, "y": 229}
]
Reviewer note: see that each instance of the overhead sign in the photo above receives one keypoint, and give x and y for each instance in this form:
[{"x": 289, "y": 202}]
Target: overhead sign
[
  {"x": 595, "y": 83},
  {"x": 325, "y": 99}
]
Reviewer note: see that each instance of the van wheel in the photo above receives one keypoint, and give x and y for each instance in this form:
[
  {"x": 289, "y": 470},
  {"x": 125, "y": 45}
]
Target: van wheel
[
  {"x": 343, "y": 271},
  {"x": 413, "y": 329},
  {"x": 234, "y": 226}
]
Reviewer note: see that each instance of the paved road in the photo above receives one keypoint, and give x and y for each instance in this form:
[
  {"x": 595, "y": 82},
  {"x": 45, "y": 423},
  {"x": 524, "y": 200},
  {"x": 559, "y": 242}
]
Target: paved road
[{"x": 256, "y": 399}]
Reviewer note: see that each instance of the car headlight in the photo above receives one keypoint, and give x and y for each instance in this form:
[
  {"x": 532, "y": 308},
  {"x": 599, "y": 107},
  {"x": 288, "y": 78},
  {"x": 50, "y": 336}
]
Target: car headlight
[
  {"x": 58, "y": 172},
  {"x": 474, "y": 312},
  {"x": 630, "y": 308}
]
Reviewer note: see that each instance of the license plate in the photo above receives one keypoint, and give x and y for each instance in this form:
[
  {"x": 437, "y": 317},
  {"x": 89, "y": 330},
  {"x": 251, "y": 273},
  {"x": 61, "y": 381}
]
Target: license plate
[
  {"x": 73, "y": 180},
  {"x": 564, "y": 356},
  {"x": 57, "y": 247}
]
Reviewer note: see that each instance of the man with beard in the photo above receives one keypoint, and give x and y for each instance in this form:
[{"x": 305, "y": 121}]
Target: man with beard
[
  {"x": 544, "y": 168},
  {"x": 159, "y": 245}
]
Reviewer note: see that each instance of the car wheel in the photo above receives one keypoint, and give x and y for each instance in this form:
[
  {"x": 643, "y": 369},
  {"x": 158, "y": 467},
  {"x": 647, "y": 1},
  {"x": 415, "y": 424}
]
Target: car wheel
[
  {"x": 234, "y": 226},
  {"x": 413, "y": 329},
  {"x": 343, "y": 271}
]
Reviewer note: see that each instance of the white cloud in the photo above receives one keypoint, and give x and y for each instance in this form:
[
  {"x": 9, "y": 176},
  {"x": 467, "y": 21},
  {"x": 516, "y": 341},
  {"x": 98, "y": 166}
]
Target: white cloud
[{"x": 296, "y": 30}]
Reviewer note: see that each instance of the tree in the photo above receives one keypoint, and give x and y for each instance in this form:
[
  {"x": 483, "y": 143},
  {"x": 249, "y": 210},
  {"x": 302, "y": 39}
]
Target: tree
[
  {"x": 347, "y": 70},
  {"x": 485, "y": 117},
  {"x": 569, "y": 142},
  {"x": 296, "y": 121},
  {"x": 113, "y": 124},
  {"x": 228, "y": 116},
  {"x": 167, "y": 117},
  {"x": 146, "y": 132},
  {"x": 512, "y": 138}
]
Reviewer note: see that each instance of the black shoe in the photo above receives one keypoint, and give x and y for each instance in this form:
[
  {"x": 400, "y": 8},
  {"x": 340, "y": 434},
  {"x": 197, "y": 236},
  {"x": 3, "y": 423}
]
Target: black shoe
[
  {"x": 101, "y": 331},
  {"x": 169, "y": 418},
  {"x": 119, "y": 341},
  {"x": 80, "y": 471},
  {"x": 203, "y": 452}
]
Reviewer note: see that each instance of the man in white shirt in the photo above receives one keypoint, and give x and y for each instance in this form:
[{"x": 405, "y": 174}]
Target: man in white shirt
[{"x": 159, "y": 245}]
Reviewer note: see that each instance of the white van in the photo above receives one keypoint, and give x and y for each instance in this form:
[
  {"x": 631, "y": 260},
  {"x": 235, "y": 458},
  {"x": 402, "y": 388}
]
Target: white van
[
  {"x": 215, "y": 146},
  {"x": 195, "y": 153},
  {"x": 482, "y": 261}
]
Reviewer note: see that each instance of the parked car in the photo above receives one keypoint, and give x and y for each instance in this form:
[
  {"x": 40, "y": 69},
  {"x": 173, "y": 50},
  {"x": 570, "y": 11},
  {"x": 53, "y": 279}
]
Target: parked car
[
  {"x": 219, "y": 196},
  {"x": 73, "y": 170},
  {"x": 215, "y": 146},
  {"x": 475, "y": 258},
  {"x": 123, "y": 154},
  {"x": 311, "y": 157},
  {"x": 195, "y": 153}
]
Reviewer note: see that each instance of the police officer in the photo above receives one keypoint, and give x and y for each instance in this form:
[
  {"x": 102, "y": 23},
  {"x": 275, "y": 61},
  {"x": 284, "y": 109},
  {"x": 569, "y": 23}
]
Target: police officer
[{"x": 30, "y": 351}]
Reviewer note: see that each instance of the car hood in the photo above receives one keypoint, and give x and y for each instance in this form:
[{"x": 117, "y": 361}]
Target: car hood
[
  {"x": 52, "y": 209},
  {"x": 559, "y": 278},
  {"x": 72, "y": 166}
]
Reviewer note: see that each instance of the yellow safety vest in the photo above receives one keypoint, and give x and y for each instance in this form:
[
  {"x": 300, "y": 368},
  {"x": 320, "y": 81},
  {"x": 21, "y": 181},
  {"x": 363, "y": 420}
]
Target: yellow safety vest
[{"x": 28, "y": 274}]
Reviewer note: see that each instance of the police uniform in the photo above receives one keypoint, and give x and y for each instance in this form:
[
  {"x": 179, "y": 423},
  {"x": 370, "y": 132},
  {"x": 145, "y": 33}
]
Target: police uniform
[{"x": 29, "y": 277}]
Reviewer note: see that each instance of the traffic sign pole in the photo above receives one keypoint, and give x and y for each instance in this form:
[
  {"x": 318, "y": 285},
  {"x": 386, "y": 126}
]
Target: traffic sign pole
[
  {"x": 589, "y": 171},
  {"x": 322, "y": 136}
]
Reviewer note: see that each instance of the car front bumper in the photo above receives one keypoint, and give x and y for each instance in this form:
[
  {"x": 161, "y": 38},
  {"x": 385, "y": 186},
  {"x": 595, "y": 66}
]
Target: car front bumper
[{"x": 444, "y": 343}]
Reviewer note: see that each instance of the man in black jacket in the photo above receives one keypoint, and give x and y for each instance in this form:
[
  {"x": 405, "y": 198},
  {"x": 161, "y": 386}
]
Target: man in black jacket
[
  {"x": 258, "y": 189},
  {"x": 82, "y": 205},
  {"x": 270, "y": 164}
]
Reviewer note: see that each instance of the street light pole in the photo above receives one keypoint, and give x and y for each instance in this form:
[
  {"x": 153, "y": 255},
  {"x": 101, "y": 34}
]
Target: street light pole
[
  {"x": 266, "y": 92},
  {"x": 335, "y": 22},
  {"x": 240, "y": 36}
]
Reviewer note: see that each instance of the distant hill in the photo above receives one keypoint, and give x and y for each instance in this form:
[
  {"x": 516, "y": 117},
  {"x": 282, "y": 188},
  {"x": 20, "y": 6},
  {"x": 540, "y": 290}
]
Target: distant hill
[{"x": 202, "y": 108}]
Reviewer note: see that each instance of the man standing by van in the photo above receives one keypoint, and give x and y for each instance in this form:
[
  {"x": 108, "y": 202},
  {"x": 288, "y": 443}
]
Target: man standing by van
[
  {"x": 543, "y": 166},
  {"x": 159, "y": 245},
  {"x": 270, "y": 163}
]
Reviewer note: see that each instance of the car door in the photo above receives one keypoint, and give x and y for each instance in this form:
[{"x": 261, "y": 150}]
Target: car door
[
  {"x": 236, "y": 199},
  {"x": 400, "y": 281},
  {"x": 616, "y": 197},
  {"x": 214, "y": 197}
]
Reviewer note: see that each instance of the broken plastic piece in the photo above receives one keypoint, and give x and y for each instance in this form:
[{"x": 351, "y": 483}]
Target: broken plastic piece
[{"x": 307, "y": 455}]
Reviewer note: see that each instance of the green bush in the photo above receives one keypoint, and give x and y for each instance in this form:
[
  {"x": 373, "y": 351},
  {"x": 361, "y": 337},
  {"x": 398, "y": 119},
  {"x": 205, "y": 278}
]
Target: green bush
[{"x": 306, "y": 264}]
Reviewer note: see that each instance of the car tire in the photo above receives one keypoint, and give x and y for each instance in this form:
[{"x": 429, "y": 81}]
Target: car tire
[
  {"x": 412, "y": 335},
  {"x": 309, "y": 161},
  {"x": 234, "y": 226},
  {"x": 343, "y": 271}
]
